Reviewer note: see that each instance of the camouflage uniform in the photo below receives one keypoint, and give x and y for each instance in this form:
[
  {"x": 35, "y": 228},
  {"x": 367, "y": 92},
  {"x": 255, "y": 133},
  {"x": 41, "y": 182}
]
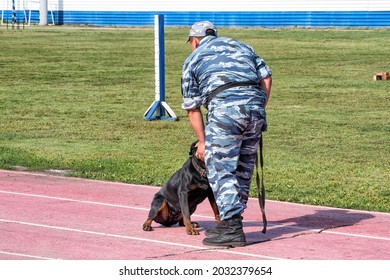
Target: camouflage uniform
[{"x": 235, "y": 118}]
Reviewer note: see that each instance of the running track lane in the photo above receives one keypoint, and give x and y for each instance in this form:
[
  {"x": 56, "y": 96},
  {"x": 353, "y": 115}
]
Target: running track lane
[{"x": 52, "y": 217}]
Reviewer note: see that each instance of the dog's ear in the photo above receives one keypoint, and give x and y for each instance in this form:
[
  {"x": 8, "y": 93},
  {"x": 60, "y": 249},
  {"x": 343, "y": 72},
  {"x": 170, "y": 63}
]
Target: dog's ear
[{"x": 193, "y": 148}]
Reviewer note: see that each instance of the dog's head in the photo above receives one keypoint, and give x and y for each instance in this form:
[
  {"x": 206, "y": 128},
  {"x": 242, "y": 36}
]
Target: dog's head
[
  {"x": 198, "y": 164},
  {"x": 193, "y": 148}
]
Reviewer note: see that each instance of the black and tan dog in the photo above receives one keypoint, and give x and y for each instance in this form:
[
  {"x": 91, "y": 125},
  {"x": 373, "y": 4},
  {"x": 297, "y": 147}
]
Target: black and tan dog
[{"x": 177, "y": 200}]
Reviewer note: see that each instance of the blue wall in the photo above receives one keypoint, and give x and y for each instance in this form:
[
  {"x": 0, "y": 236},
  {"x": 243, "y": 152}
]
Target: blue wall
[{"x": 370, "y": 19}]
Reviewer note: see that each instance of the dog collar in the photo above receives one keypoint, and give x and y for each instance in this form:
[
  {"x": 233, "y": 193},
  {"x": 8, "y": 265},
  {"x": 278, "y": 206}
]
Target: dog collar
[{"x": 202, "y": 170}]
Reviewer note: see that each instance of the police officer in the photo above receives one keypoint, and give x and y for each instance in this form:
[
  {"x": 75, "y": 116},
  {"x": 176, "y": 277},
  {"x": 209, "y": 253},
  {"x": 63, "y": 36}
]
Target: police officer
[{"x": 233, "y": 83}]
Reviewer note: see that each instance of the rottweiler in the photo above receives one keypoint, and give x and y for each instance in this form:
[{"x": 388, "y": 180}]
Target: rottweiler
[{"x": 177, "y": 200}]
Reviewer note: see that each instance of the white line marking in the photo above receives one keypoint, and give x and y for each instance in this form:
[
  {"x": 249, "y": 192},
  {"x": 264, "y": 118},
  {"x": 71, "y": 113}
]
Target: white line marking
[
  {"x": 357, "y": 235},
  {"x": 328, "y": 231},
  {"x": 74, "y": 200},
  {"x": 17, "y": 173},
  {"x": 25, "y": 255},
  {"x": 138, "y": 239},
  {"x": 326, "y": 207},
  {"x": 88, "y": 202}
]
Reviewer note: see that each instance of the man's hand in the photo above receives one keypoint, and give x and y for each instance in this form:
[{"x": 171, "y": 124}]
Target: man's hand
[{"x": 200, "y": 150}]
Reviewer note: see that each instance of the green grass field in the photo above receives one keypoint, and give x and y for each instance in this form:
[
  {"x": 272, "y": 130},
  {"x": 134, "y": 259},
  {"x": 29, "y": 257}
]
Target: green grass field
[{"x": 74, "y": 98}]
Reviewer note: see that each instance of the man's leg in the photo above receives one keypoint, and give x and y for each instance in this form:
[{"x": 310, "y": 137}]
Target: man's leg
[
  {"x": 223, "y": 144},
  {"x": 232, "y": 138}
]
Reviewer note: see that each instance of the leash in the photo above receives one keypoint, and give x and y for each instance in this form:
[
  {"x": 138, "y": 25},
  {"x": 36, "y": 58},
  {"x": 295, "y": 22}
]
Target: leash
[{"x": 260, "y": 183}]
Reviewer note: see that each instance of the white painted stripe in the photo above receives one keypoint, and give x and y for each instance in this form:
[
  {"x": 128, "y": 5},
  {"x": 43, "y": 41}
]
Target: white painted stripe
[
  {"x": 157, "y": 187},
  {"x": 328, "y": 231},
  {"x": 37, "y": 174},
  {"x": 327, "y": 207},
  {"x": 200, "y": 216},
  {"x": 357, "y": 235},
  {"x": 74, "y": 200},
  {"x": 138, "y": 239},
  {"x": 25, "y": 255}
]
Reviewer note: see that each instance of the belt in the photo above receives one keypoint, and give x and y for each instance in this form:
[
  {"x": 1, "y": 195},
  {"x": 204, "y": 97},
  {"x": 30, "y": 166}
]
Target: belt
[{"x": 224, "y": 87}]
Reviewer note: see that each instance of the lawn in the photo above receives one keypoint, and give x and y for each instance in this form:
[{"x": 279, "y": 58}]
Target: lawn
[{"x": 73, "y": 99}]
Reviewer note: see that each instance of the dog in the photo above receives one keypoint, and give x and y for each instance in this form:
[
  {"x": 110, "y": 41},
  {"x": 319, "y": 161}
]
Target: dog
[{"x": 177, "y": 200}]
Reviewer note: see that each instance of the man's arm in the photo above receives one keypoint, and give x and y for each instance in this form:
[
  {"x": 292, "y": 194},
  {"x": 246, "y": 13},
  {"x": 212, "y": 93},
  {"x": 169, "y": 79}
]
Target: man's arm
[
  {"x": 266, "y": 84},
  {"x": 196, "y": 120}
]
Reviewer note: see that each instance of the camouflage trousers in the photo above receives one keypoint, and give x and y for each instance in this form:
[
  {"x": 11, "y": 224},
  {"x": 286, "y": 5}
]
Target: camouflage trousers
[{"x": 232, "y": 137}]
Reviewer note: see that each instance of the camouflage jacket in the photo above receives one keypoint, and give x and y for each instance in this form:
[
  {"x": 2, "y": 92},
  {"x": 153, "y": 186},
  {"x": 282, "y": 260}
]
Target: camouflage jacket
[{"x": 216, "y": 62}]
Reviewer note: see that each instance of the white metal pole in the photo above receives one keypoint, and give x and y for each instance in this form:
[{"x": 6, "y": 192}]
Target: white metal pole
[
  {"x": 13, "y": 13},
  {"x": 43, "y": 12},
  {"x": 159, "y": 106},
  {"x": 157, "y": 48}
]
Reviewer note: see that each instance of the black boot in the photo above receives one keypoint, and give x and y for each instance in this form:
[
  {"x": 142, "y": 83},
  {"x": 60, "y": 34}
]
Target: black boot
[
  {"x": 219, "y": 228},
  {"x": 228, "y": 234}
]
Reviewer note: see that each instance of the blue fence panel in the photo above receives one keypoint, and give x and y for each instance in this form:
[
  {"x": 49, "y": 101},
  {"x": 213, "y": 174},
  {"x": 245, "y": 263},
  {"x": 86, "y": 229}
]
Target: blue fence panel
[{"x": 369, "y": 19}]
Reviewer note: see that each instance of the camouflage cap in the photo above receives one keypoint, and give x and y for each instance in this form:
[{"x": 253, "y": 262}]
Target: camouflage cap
[{"x": 198, "y": 29}]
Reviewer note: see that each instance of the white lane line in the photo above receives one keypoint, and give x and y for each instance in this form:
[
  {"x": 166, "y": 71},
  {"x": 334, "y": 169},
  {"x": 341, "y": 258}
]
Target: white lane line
[
  {"x": 61, "y": 177},
  {"x": 75, "y": 200},
  {"x": 327, "y": 231},
  {"x": 357, "y": 235},
  {"x": 137, "y": 239},
  {"x": 327, "y": 207},
  {"x": 35, "y": 174},
  {"x": 88, "y": 202},
  {"x": 25, "y": 255}
]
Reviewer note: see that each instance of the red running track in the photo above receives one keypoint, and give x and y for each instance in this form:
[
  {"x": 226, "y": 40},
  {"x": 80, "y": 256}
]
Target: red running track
[{"x": 52, "y": 217}]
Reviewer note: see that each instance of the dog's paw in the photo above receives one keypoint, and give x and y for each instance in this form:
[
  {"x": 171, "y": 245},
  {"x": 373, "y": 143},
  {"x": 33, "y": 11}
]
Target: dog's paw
[
  {"x": 195, "y": 225},
  {"x": 147, "y": 227},
  {"x": 192, "y": 232}
]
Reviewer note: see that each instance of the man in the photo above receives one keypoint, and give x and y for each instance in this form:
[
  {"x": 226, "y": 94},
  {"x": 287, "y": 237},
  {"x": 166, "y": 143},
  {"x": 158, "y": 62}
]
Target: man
[{"x": 233, "y": 83}]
